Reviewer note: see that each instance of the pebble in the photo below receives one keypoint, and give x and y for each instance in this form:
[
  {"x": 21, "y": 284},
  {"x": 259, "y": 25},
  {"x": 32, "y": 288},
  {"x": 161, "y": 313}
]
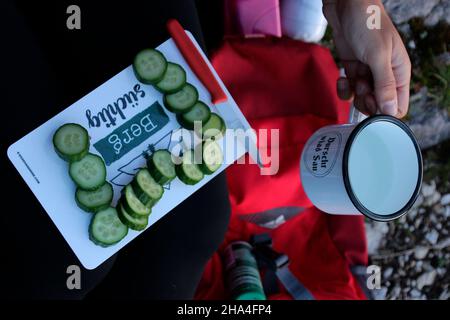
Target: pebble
[
  {"x": 426, "y": 279},
  {"x": 432, "y": 236},
  {"x": 380, "y": 294},
  {"x": 418, "y": 202},
  {"x": 428, "y": 189},
  {"x": 418, "y": 266},
  {"x": 420, "y": 252},
  {"x": 434, "y": 198},
  {"x": 418, "y": 222},
  {"x": 447, "y": 211},
  {"x": 395, "y": 292},
  {"x": 441, "y": 271},
  {"x": 445, "y": 200},
  {"x": 415, "y": 294},
  {"x": 445, "y": 295},
  {"x": 388, "y": 272}
]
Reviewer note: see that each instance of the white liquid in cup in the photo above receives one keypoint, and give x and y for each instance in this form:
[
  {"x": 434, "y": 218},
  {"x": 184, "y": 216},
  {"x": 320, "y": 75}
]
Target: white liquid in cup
[{"x": 383, "y": 167}]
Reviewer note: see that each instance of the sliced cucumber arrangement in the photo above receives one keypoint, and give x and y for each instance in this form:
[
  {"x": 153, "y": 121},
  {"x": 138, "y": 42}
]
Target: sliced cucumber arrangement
[
  {"x": 188, "y": 171},
  {"x": 149, "y": 66},
  {"x": 173, "y": 80},
  {"x": 89, "y": 173},
  {"x": 134, "y": 223},
  {"x": 147, "y": 190},
  {"x": 161, "y": 166},
  {"x": 212, "y": 157},
  {"x": 106, "y": 228},
  {"x": 94, "y": 194},
  {"x": 199, "y": 112},
  {"x": 94, "y": 201},
  {"x": 71, "y": 142},
  {"x": 182, "y": 100},
  {"x": 214, "y": 128},
  {"x": 132, "y": 205}
]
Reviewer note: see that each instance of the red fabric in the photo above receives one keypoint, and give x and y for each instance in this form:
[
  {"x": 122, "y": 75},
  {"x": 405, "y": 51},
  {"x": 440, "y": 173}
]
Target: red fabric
[{"x": 287, "y": 85}]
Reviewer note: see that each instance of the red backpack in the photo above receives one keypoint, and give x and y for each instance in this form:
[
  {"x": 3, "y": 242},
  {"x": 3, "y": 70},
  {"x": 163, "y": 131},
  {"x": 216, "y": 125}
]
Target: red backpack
[{"x": 287, "y": 85}]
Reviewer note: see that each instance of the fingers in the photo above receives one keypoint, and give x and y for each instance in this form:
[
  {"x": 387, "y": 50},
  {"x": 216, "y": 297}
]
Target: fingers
[
  {"x": 401, "y": 66},
  {"x": 357, "y": 85},
  {"x": 385, "y": 86}
]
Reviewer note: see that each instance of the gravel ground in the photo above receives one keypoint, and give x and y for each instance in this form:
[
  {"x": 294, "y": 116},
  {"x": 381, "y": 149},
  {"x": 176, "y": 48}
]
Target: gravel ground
[{"x": 414, "y": 251}]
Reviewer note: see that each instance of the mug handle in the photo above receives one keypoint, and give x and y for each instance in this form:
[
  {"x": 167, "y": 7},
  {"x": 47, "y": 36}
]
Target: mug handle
[{"x": 355, "y": 116}]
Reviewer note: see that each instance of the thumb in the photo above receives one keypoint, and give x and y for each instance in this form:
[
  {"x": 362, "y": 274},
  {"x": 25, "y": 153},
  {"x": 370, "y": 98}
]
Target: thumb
[{"x": 384, "y": 83}]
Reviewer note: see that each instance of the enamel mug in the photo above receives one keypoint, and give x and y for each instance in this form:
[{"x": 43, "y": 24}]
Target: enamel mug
[{"x": 371, "y": 167}]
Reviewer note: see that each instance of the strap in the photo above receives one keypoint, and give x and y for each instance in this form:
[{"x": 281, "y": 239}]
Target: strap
[{"x": 277, "y": 267}]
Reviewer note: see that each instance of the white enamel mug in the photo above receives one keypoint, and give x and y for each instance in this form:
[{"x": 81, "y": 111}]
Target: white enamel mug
[{"x": 373, "y": 167}]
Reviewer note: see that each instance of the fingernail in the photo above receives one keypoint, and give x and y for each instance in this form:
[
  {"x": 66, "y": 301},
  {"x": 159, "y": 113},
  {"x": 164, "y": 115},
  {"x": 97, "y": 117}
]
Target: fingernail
[{"x": 389, "y": 107}]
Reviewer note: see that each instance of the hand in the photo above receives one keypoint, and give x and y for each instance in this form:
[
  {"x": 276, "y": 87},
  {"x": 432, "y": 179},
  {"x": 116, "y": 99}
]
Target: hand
[{"x": 376, "y": 63}]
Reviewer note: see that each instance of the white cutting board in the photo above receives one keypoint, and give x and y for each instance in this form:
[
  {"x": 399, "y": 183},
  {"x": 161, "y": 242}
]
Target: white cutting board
[{"x": 47, "y": 175}]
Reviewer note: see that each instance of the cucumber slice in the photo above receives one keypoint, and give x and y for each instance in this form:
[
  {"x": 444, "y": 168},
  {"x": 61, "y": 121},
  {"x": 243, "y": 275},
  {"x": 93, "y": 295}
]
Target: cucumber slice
[
  {"x": 106, "y": 228},
  {"x": 212, "y": 157},
  {"x": 182, "y": 100},
  {"x": 188, "y": 171},
  {"x": 173, "y": 80},
  {"x": 149, "y": 66},
  {"x": 161, "y": 166},
  {"x": 71, "y": 142},
  {"x": 147, "y": 190},
  {"x": 131, "y": 222},
  {"x": 95, "y": 201},
  {"x": 199, "y": 112},
  {"x": 214, "y": 128},
  {"x": 132, "y": 205},
  {"x": 88, "y": 173}
]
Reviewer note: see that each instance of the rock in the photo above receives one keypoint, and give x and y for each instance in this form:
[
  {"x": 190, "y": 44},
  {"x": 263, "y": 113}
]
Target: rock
[
  {"x": 401, "y": 11},
  {"x": 447, "y": 212},
  {"x": 395, "y": 292},
  {"x": 441, "y": 271},
  {"x": 426, "y": 279},
  {"x": 443, "y": 244},
  {"x": 418, "y": 222},
  {"x": 418, "y": 266},
  {"x": 445, "y": 295},
  {"x": 428, "y": 189},
  {"x": 440, "y": 12},
  {"x": 445, "y": 200},
  {"x": 375, "y": 232},
  {"x": 415, "y": 294},
  {"x": 388, "y": 272},
  {"x": 431, "y": 126},
  {"x": 418, "y": 202},
  {"x": 420, "y": 252},
  {"x": 412, "y": 214},
  {"x": 434, "y": 198},
  {"x": 427, "y": 267},
  {"x": 380, "y": 294},
  {"x": 432, "y": 236}
]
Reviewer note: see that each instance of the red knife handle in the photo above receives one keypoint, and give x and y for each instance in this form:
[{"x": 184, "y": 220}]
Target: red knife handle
[{"x": 196, "y": 61}]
